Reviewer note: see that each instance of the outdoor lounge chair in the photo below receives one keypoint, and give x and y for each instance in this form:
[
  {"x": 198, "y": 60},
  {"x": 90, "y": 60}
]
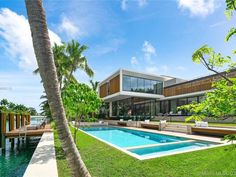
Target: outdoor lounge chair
[
  {"x": 201, "y": 124},
  {"x": 147, "y": 121}
]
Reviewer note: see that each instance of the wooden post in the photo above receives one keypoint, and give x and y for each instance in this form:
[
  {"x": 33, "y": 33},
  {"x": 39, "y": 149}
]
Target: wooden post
[
  {"x": 3, "y": 131},
  {"x": 17, "y": 121},
  {"x": 22, "y": 120},
  {"x": 12, "y": 127},
  {"x": 29, "y": 119},
  {"x": 12, "y": 122}
]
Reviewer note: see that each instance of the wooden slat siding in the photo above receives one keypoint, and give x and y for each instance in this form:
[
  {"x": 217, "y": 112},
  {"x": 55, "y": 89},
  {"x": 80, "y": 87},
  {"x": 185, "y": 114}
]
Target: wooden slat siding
[
  {"x": 114, "y": 85},
  {"x": 3, "y": 123},
  {"x": 103, "y": 90},
  {"x": 17, "y": 120},
  {"x": 197, "y": 85}
]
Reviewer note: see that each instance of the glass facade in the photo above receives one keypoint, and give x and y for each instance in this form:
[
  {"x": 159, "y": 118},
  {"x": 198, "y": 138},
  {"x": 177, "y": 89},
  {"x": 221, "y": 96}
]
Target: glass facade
[
  {"x": 148, "y": 108},
  {"x": 136, "y": 84}
]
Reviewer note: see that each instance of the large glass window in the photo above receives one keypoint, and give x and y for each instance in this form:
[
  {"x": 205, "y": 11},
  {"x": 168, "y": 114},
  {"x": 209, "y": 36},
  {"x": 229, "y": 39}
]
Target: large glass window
[
  {"x": 126, "y": 83},
  {"x": 173, "y": 106},
  {"x": 182, "y": 101},
  {"x": 158, "y": 107},
  {"x": 141, "y": 85},
  {"x": 192, "y": 99},
  {"x": 136, "y": 84},
  {"x": 159, "y": 87}
]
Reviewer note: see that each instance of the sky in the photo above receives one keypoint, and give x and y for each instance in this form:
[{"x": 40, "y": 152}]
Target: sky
[{"x": 152, "y": 36}]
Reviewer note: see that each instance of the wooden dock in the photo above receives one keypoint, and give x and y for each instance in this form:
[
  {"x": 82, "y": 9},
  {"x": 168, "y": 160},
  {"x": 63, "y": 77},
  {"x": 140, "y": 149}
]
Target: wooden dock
[{"x": 28, "y": 133}]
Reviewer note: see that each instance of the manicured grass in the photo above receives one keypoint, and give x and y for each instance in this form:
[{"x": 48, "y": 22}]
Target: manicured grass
[
  {"x": 62, "y": 165},
  {"x": 105, "y": 161}
]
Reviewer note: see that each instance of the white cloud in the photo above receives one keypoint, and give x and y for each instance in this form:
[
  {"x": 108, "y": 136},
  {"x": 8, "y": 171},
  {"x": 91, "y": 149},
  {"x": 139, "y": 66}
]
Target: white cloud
[
  {"x": 149, "y": 50},
  {"x": 198, "y": 7},
  {"x": 124, "y": 4},
  {"x": 134, "y": 61},
  {"x": 142, "y": 3},
  {"x": 17, "y": 41},
  {"x": 68, "y": 27}
]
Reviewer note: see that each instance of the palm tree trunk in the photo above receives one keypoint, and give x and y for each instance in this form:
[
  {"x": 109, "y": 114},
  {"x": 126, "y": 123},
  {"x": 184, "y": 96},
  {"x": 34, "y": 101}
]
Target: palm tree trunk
[{"x": 47, "y": 69}]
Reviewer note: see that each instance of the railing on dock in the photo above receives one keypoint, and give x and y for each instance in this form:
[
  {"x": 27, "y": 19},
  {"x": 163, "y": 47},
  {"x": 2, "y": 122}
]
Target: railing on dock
[{"x": 10, "y": 122}]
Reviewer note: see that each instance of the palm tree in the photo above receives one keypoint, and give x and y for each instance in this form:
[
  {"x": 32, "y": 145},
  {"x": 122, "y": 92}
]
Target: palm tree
[
  {"x": 68, "y": 58},
  {"x": 76, "y": 59},
  {"x": 47, "y": 70},
  {"x": 94, "y": 85}
]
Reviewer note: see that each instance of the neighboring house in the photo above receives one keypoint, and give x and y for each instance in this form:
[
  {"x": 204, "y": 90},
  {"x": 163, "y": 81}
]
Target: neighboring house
[{"x": 139, "y": 94}]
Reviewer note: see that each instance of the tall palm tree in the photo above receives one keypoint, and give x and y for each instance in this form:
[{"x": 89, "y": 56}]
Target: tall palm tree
[
  {"x": 47, "y": 70},
  {"x": 76, "y": 59}
]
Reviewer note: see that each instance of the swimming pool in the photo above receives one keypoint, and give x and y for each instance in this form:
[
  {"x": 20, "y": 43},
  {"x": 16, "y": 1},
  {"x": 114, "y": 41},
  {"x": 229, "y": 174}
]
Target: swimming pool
[{"x": 145, "y": 145}]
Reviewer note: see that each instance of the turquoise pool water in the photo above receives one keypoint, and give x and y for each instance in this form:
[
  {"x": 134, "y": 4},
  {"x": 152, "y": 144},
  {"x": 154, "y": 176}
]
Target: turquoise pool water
[
  {"x": 145, "y": 144},
  {"x": 14, "y": 162}
]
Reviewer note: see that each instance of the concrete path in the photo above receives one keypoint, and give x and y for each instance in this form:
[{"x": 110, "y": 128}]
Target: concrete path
[{"x": 43, "y": 163}]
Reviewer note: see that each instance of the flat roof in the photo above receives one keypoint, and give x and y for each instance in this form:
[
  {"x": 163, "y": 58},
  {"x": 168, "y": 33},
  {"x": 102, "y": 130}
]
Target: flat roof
[{"x": 136, "y": 73}]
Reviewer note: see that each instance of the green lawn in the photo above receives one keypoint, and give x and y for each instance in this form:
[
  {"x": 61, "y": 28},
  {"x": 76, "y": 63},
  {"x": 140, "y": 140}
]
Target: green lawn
[{"x": 104, "y": 161}]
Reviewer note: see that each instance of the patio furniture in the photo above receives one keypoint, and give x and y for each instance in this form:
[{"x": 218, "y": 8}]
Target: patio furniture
[{"x": 201, "y": 124}]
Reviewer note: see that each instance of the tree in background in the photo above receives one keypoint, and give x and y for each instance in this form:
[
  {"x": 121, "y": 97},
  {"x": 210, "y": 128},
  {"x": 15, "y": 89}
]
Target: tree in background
[
  {"x": 80, "y": 101},
  {"x": 32, "y": 111},
  {"x": 6, "y": 105},
  {"x": 48, "y": 73},
  {"x": 221, "y": 101}
]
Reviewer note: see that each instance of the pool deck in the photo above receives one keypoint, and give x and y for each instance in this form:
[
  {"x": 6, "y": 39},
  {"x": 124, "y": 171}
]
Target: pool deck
[{"x": 43, "y": 162}]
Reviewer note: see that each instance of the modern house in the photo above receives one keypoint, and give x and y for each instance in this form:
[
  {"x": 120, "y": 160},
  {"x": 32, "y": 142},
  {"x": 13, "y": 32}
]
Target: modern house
[{"x": 129, "y": 93}]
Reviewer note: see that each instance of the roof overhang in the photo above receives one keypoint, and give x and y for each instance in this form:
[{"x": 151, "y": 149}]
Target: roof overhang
[{"x": 125, "y": 94}]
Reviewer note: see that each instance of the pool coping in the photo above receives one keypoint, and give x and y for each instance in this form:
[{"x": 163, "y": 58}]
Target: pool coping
[
  {"x": 43, "y": 162},
  {"x": 194, "y": 137}
]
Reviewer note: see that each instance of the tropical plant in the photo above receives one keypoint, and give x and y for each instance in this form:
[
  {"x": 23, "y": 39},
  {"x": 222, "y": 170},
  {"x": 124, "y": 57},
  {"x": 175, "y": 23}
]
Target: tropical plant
[
  {"x": 47, "y": 70},
  {"x": 230, "y": 138},
  {"x": 94, "y": 85},
  {"x": 80, "y": 101},
  {"x": 221, "y": 101}
]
